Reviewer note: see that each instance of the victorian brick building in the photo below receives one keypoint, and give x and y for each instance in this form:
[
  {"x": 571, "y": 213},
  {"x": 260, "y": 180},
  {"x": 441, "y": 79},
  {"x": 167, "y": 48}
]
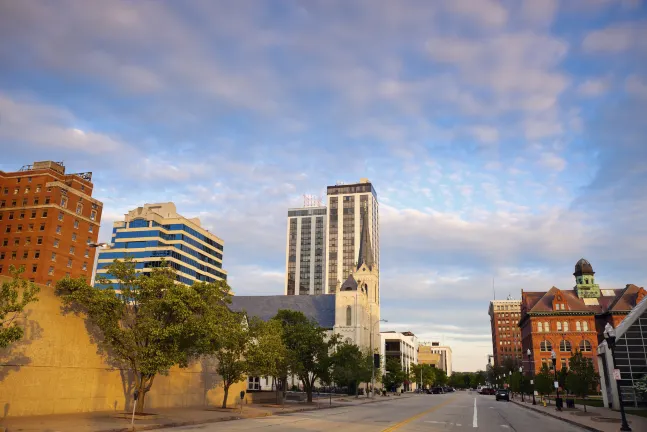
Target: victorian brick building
[{"x": 564, "y": 321}]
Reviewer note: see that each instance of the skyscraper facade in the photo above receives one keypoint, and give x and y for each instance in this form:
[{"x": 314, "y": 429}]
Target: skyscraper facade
[
  {"x": 506, "y": 334},
  {"x": 48, "y": 219},
  {"x": 306, "y": 251},
  {"x": 349, "y": 205},
  {"x": 156, "y": 232}
]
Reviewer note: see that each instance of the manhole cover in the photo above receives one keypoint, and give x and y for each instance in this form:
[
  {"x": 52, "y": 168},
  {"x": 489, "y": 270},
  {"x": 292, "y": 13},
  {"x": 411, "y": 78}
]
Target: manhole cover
[{"x": 607, "y": 419}]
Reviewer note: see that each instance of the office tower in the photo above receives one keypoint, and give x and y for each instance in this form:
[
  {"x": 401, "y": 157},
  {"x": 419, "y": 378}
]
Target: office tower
[
  {"x": 349, "y": 205},
  {"x": 506, "y": 334},
  {"x": 306, "y": 249},
  {"x": 155, "y": 232},
  {"x": 48, "y": 219}
]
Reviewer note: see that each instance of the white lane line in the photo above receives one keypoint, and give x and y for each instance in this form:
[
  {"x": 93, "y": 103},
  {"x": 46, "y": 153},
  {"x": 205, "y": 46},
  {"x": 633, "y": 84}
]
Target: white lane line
[
  {"x": 505, "y": 426},
  {"x": 474, "y": 422}
]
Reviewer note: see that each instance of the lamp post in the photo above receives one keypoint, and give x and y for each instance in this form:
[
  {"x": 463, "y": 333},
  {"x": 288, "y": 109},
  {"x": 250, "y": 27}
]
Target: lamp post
[
  {"x": 521, "y": 373},
  {"x": 510, "y": 382},
  {"x": 96, "y": 259},
  {"x": 372, "y": 354},
  {"x": 610, "y": 337},
  {"x": 553, "y": 357},
  {"x": 532, "y": 376}
]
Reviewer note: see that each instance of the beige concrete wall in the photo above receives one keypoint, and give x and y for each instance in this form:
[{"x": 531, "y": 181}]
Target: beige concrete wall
[{"x": 56, "y": 369}]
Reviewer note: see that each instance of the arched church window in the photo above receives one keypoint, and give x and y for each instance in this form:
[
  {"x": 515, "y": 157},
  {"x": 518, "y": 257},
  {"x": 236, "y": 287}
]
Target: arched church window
[
  {"x": 349, "y": 316},
  {"x": 565, "y": 346},
  {"x": 546, "y": 346},
  {"x": 585, "y": 346}
]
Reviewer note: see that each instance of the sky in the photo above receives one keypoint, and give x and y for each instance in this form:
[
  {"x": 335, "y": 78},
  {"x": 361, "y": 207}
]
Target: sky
[{"x": 505, "y": 139}]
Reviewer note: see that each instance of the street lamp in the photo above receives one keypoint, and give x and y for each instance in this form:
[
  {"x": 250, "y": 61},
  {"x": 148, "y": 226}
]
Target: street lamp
[
  {"x": 553, "y": 357},
  {"x": 532, "y": 374},
  {"x": 610, "y": 337},
  {"x": 373, "y": 354},
  {"x": 96, "y": 258},
  {"x": 521, "y": 373}
]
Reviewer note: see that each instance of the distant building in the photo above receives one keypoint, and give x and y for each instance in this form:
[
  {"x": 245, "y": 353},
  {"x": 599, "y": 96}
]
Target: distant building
[
  {"x": 48, "y": 219},
  {"x": 348, "y": 207},
  {"x": 506, "y": 334},
  {"x": 445, "y": 353},
  {"x": 156, "y": 232},
  {"x": 306, "y": 251},
  {"x": 427, "y": 357},
  {"x": 568, "y": 320},
  {"x": 404, "y": 347}
]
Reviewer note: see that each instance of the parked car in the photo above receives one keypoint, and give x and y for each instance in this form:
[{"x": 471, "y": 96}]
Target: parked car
[
  {"x": 487, "y": 391},
  {"x": 437, "y": 390},
  {"x": 503, "y": 394}
]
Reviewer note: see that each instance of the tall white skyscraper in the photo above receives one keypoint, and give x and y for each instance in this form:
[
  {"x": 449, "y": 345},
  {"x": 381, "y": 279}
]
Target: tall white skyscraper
[
  {"x": 349, "y": 205},
  {"x": 306, "y": 251}
]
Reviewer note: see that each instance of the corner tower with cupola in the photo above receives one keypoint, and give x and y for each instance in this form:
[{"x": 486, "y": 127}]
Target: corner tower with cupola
[{"x": 585, "y": 285}]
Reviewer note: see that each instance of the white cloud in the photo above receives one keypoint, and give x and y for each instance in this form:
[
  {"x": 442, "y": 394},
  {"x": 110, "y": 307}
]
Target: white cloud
[
  {"x": 617, "y": 38},
  {"x": 636, "y": 86},
  {"x": 485, "y": 12},
  {"x": 485, "y": 134},
  {"x": 593, "y": 87},
  {"x": 552, "y": 162}
]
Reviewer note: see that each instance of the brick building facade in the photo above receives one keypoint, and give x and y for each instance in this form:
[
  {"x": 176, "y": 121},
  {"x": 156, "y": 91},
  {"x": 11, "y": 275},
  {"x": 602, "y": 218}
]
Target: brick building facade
[
  {"x": 48, "y": 219},
  {"x": 506, "y": 335},
  {"x": 568, "y": 320}
]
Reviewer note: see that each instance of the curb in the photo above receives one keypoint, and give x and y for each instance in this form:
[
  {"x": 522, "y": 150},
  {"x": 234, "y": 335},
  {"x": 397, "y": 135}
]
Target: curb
[
  {"x": 230, "y": 418},
  {"x": 573, "y": 422}
]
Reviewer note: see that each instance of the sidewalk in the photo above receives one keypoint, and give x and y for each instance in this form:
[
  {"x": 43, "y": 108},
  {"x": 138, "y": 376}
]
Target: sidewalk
[
  {"x": 170, "y": 417},
  {"x": 595, "y": 419}
]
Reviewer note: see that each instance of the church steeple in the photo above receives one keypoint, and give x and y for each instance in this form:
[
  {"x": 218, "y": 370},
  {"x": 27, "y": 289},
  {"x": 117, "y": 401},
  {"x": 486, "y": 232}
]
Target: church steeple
[{"x": 365, "y": 249}]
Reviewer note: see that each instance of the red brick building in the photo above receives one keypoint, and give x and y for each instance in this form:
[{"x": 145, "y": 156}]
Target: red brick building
[
  {"x": 506, "y": 334},
  {"x": 568, "y": 320},
  {"x": 47, "y": 221}
]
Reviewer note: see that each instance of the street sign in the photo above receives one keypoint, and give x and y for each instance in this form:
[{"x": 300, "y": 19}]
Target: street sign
[
  {"x": 556, "y": 384},
  {"x": 616, "y": 374}
]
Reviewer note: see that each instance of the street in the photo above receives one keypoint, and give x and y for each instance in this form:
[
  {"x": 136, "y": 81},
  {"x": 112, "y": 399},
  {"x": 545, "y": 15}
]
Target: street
[{"x": 454, "y": 411}]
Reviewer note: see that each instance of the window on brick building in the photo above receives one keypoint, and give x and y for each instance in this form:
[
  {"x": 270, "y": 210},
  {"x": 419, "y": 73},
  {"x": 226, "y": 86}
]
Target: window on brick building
[
  {"x": 546, "y": 326},
  {"x": 60, "y": 216},
  {"x": 69, "y": 263},
  {"x": 37, "y": 254},
  {"x": 44, "y": 214},
  {"x": 559, "y": 326},
  {"x": 540, "y": 327},
  {"x": 50, "y": 271},
  {"x": 25, "y": 255},
  {"x": 39, "y": 240},
  {"x": 578, "y": 326},
  {"x": 34, "y": 268},
  {"x": 565, "y": 325},
  {"x": 53, "y": 256},
  {"x": 76, "y": 224},
  {"x": 585, "y": 346},
  {"x": 56, "y": 242},
  {"x": 564, "y": 364},
  {"x": 545, "y": 346},
  {"x": 565, "y": 346},
  {"x": 585, "y": 326}
]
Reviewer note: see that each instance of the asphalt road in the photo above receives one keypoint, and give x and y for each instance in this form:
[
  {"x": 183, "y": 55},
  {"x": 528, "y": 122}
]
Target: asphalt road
[{"x": 460, "y": 411}]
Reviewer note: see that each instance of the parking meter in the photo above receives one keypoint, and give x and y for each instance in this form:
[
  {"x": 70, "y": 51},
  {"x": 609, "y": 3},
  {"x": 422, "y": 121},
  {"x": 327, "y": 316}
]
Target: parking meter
[
  {"x": 136, "y": 395},
  {"x": 242, "y": 394}
]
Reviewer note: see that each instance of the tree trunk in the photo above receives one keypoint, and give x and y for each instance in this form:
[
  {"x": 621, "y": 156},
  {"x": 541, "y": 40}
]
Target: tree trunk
[
  {"x": 139, "y": 407},
  {"x": 224, "y": 399},
  {"x": 143, "y": 385},
  {"x": 308, "y": 389},
  {"x": 584, "y": 403}
]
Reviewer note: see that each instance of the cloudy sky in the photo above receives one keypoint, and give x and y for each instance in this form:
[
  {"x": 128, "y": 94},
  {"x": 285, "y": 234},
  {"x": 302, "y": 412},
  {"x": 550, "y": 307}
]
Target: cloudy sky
[{"x": 505, "y": 139}]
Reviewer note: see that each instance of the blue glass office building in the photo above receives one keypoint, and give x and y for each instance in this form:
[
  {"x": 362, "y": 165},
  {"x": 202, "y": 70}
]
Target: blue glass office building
[{"x": 155, "y": 232}]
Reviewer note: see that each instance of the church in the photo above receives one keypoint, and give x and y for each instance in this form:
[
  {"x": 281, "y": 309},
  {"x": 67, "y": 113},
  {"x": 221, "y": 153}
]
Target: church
[{"x": 352, "y": 312}]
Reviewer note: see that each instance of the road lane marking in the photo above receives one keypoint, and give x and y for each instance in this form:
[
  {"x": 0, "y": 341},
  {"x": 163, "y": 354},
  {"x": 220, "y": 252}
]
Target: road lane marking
[
  {"x": 474, "y": 422},
  {"x": 417, "y": 416},
  {"x": 505, "y": 426}
]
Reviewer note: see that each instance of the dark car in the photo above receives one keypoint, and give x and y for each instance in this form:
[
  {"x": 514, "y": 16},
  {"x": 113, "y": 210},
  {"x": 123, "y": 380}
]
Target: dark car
[
  {"x": 487, "y": 391},
  {"x": 437, "y": 390},
  {"x": 503, "y": 394}
]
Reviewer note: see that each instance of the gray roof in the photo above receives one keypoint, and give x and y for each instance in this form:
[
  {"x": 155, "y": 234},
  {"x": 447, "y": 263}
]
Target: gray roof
[{"x": 320, "y": 308}]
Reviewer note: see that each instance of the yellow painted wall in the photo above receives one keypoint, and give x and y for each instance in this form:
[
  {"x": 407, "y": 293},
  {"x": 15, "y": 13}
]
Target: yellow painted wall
[
  {"x": 56, "y": 369},
  {"x": 425, "y": 356}
]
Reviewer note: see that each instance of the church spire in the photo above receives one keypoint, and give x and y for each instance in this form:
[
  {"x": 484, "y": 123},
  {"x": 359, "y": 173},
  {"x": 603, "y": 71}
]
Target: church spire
[{"x": 365, "y": 249}]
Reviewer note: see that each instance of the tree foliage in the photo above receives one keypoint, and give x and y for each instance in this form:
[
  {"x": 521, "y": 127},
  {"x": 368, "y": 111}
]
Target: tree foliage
[
  {"x": 641, "y": 386},
  {"x": 230, "y": 348},
  {"x": 15, "y": 295},
  {"x": 308, "y": 348},
  {"x": 544, "y": 381},
  {"x": 394, "y": 376},
  {"x": 351, "y": 366},
  {"x": 267, "y": 353},
  {"x": 423, "y": 372},
  {"x": 582, "y": 378},
  {"x": 147, "y": 323}
]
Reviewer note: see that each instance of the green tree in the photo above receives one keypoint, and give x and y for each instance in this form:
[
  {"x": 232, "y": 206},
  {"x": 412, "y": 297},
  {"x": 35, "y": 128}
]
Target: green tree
[
  {"x": 582, "y": 378},
  {"x": 427, "y": 371},
  {"x": 230, "y": 350},
  {"x": 15, "y": 295},
  {"x": 544, "y": 381},
  {"x": 308, "y": 348},
  {"x": 515, "y": 382},
  {"x": 350, "y": 366},
  {"x": 477, "y": 379},
  {"x": 562, "y": 376},
  {"x": 267, "y": 354},
  {"x": 440, "y": 378},
  {"x": 641, "y": 387},
  {"x": 152, "y": 323},
  {"x": 394, "y": 376}
]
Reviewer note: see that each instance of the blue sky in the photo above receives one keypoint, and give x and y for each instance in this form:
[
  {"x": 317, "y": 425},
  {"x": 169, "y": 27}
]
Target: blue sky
[{"x": 505, "y": 139}]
